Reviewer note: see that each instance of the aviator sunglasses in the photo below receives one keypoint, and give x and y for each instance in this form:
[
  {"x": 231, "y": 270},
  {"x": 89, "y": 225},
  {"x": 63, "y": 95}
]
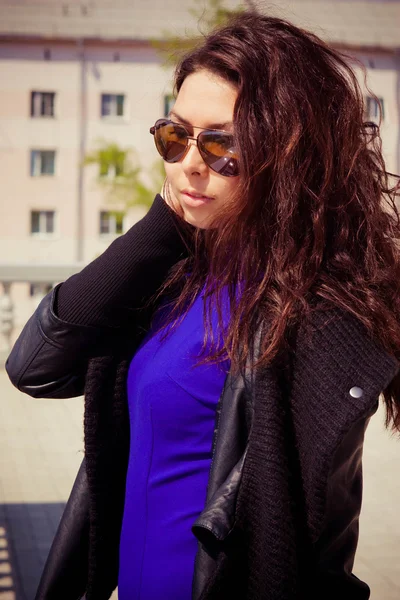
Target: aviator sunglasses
[{"x": 216, "y": 147}]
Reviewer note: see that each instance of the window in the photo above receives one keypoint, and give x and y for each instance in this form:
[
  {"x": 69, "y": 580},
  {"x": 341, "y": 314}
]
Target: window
[
  {"x": 42, "y": 162},
  {"x": 111, "y": 222},
  {"x": 42, "y": 104},
  {"x": 42, "y": 222},
  {"x": 112, "y": 105},
  {"x": 169, "y": 101},
  {"x": 372, "y": 108},
  {"x": 110, "y": 171},
  {"x": 47, "y": 54}
]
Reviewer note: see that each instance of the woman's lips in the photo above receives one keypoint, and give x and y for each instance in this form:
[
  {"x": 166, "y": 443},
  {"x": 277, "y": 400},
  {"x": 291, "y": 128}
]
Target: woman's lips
[{"x": 197, "y": 200}]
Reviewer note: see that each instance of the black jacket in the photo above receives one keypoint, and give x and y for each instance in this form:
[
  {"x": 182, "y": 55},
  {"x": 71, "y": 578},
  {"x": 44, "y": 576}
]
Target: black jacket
[{"x": 284, "y": 492}]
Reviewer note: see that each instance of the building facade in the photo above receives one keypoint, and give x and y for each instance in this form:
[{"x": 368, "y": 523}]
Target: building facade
[{"x": 57, "y": 103}]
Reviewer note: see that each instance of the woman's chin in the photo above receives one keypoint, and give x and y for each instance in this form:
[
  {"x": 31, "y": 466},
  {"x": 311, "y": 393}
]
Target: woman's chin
[{"x": 196, "y": 218}]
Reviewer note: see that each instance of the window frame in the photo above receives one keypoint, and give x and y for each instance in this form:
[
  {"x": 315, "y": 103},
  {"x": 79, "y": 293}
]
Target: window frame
[
  {"x": 38, "y": 173},
  {"x": 169, "y": 101},
  {"x": 111, "y": 174},
  {"x": 370, "y": 102},
  {"x": 43, "y": 233},
  {"x": 112, "y": 215},
  {"x": 43, "y": 93},
  {"x": 114, "y": 117}
]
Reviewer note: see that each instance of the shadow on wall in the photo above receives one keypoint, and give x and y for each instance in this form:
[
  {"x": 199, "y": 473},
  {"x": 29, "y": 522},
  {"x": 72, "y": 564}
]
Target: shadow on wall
[{"x": 26, "y": 534}]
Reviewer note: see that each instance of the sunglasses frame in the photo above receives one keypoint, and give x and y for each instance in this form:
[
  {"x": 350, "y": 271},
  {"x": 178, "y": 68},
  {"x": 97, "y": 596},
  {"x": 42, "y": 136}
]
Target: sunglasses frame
[{"x": 203, "y": 153}]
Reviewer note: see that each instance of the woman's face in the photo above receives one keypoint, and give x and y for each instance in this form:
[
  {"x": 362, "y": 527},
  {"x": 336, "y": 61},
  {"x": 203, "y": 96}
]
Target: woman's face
[{"x": 205, "y": 101}]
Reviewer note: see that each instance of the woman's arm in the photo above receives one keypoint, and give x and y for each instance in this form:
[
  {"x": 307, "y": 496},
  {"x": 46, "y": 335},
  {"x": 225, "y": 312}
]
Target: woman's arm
[
  {"x": 90, "y": 311},
  {"x": 336, "y": 546}
]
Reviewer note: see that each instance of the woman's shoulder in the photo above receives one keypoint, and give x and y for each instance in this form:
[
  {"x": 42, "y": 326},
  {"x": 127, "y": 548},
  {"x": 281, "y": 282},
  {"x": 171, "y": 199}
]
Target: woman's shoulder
[
  {"x": 335, "y": 353},
  {"x": 339, "y": 328}
]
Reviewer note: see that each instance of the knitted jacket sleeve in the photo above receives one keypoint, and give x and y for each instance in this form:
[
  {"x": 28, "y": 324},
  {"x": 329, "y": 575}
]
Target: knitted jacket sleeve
[{"x": 127, "y": 273}]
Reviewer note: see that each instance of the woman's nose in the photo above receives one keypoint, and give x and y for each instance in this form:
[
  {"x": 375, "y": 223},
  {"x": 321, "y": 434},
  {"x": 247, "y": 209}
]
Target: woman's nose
[{"x": 193, "y": 162}]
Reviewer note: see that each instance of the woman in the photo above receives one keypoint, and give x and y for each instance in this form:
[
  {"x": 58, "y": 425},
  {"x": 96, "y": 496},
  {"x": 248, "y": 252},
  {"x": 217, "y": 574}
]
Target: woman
[{"x": 233, "y": 344}]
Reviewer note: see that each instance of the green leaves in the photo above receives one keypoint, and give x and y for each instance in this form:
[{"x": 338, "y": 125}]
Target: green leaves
[
  {"x": 110, "y": 158},
  {"x": 120, "y": 177},
  {"x": 172, "y": 48}
]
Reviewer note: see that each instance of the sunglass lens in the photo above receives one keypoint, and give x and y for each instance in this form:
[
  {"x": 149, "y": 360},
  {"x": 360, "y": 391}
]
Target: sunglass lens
[
  {"x": 171, "y": 140},
  {"x": 219, "y": 152}
]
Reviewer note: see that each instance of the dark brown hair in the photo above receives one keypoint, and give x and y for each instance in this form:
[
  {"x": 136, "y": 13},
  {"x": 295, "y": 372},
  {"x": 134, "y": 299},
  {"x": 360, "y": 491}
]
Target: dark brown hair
[{"x": 314, "y": 222}]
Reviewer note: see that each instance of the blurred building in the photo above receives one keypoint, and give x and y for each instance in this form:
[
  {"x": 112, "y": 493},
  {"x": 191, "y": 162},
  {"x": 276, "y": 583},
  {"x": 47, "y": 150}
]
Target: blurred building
[{"x": 76, "y": 71}]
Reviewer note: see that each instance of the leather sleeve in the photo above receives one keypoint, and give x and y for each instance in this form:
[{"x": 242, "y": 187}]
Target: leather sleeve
[
  {"x": 337, "y": 544},
  {"x": 49, "y": 359},
  {"x": 65, "y": 572}
]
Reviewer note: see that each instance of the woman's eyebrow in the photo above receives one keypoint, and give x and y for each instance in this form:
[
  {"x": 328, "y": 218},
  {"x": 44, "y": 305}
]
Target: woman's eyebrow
[{"x": 209, "y": 126}]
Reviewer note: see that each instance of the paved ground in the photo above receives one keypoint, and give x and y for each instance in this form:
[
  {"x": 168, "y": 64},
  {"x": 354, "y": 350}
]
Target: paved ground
[{"x": 41, "y": 444}]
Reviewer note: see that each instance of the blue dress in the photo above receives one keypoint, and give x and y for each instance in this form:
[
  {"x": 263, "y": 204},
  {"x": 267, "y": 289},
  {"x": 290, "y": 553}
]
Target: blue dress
[{"x": 172, "y": 414}]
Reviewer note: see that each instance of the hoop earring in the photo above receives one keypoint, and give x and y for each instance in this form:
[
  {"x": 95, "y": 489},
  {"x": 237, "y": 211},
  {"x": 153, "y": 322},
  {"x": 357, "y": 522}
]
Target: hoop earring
[
  {"x": 166, "y": 192},
  {"x": 164, "y": 188}
]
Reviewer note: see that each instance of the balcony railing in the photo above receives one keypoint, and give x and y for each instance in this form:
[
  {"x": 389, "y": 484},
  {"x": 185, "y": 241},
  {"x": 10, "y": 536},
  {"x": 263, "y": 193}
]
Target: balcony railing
[{"x": 25, "y": 273}]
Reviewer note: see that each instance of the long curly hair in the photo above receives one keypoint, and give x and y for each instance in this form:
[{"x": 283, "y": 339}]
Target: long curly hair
[{"x": 313, "y": 223}]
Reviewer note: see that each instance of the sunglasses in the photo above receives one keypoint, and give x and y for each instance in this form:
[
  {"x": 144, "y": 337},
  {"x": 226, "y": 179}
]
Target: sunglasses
[{"x": 216, "y": 147}]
